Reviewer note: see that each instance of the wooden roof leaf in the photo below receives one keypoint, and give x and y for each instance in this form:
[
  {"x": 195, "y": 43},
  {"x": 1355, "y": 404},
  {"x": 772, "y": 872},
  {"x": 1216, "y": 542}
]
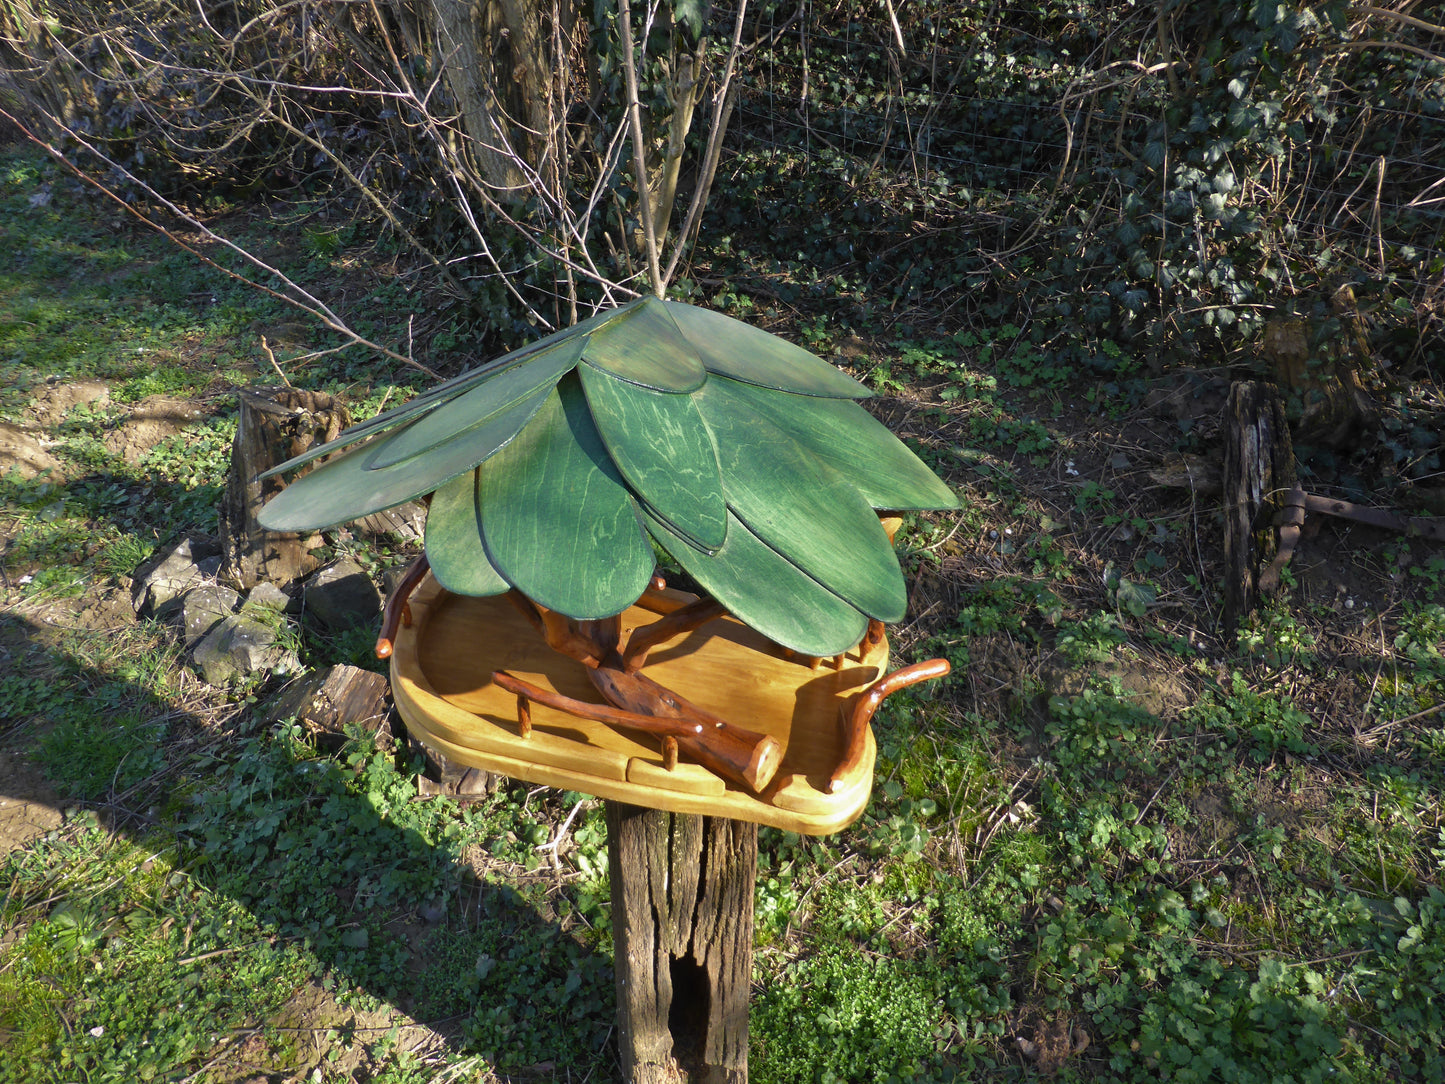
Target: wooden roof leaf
[
  {"x": 472, "y": 407},
  {"x": 644, "y": 346},
  {"x": 659, "y": 444},
  {"x": 557, "y": 520},
  {"x": 454, "y": 540},
  {"x": 850, "y": 440},
  {"x": 444, "y": 392},
  {"x": 734, "y": 349},
  {"x": 349, "y": 487},
  {"x": 808, "y": 512},
  {"x": 767, "y": 592}
]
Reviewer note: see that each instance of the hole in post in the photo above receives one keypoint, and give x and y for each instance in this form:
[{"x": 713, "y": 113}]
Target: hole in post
[{"x": 687, "y": 1016}]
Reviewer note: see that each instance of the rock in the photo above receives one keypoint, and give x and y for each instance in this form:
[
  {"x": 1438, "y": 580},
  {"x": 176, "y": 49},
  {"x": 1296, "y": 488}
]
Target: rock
[
  {"x": 242, "y": 645},
  {"x": 268, "y": 597},
  {"x": 203, "y": 608},
  {"x": 159, "y": 583},
  {"x": 326, "y": 701},
  {"x": 391, "y": 578},
  {"x": 342, "y": 596}
]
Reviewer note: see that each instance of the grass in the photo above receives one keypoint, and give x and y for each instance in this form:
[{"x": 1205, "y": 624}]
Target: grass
[{"x": 1111, "y": 846}]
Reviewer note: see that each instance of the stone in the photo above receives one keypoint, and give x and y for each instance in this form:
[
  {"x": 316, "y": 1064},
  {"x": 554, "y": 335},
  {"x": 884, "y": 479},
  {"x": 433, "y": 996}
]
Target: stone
[
  {"x": 203, "y": 608},
  {"x": 342, "y": 596},
  {"x": 242, "y": 645},
  {"x": 158, "y": 584},
  {"x": 268, "y": 597}
]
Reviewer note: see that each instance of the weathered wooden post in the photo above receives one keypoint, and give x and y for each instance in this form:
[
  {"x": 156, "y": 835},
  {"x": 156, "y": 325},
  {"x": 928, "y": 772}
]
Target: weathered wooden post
[
  {"x": 1259, "y": 469},
  {"x": 682, "y": 930}
]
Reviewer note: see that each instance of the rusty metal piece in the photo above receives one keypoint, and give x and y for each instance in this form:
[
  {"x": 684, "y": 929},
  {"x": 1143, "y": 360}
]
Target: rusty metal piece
[
  {"x": 1432, "y": 527},
  {"x": 1291, "y": 518}
]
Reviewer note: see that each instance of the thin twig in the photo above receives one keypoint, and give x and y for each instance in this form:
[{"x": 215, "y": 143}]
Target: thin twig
[{"x": 274, "y": 364}]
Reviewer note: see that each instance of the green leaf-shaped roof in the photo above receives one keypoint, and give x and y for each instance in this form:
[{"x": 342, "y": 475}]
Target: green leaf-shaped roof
[{"x": 557, "y": 467}]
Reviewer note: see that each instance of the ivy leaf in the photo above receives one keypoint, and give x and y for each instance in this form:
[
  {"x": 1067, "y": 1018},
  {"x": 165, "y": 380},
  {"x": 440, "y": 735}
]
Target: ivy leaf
[
  {"x": 690, "y": 14},
  {"x": 1135, "y": 597}
]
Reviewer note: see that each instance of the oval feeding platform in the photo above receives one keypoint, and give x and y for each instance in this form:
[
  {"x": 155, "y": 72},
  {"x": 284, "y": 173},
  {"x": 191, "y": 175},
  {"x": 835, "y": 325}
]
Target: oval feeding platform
[{"x": 819, "y": 773}]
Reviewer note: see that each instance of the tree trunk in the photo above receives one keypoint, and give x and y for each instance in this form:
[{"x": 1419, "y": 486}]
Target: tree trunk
[
  {"x": 1258, "y": 469},
  {"x": 682, "y": 925},
  {"x": 275, "y": 424}
]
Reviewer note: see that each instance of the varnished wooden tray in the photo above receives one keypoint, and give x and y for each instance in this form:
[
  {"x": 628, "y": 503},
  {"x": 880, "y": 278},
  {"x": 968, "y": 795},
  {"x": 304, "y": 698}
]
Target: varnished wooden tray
[{"x": 441, "y": 674}]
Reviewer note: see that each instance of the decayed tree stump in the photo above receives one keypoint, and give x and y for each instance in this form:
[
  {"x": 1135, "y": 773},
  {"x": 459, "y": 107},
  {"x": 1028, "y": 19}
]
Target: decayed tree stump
[
  {"x": 1318, "y": 365},
  {"x": 1258, "y": 469},
  {"x": 275, "y": 424},
  {"x": 328, "y": 700},
  {"x": 682, "y": 925}
]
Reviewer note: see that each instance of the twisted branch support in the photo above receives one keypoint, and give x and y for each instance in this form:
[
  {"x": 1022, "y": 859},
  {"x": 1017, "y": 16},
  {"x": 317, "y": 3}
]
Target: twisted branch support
[{"x": 856, "y": 723}]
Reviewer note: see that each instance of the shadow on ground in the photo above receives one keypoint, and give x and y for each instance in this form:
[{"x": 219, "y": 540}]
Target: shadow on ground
[{"x": 381, "y": 917}]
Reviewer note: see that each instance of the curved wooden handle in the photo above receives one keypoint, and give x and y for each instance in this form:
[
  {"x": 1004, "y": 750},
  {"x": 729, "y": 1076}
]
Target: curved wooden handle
[
  {"x": 397, "y": 610},
  {"x": 867, "y": 705}
]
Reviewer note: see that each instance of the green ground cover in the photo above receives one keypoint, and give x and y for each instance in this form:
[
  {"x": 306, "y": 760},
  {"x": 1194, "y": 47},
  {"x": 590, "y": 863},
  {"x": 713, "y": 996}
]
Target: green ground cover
[{"x": 1111, "y": 846}]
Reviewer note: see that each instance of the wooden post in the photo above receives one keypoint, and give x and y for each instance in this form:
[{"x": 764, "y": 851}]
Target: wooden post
[
  {"x": 274, "y": 425},
  {"x": 1258, "y": 469},
  {"x": 682, "y": 925}
]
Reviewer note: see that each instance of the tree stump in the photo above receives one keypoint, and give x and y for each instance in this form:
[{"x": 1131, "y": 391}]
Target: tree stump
[
  {"x": 275, "y": 424},
  {"x": 682, "y": 925},
  {"x": 1258, "y": 470},
  {"x": 1318, "y": 365}
]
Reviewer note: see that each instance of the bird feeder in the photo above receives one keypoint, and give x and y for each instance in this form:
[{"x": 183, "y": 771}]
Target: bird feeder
[{"x": 536, "y": 639}]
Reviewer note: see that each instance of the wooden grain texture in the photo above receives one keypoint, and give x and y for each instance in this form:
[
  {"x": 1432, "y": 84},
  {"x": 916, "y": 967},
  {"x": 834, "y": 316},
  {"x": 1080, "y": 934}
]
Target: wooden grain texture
[
  {"x": 855, "y": 444},
  {"x": 644, "y": 346},
  {"x": 473, "y": 407},
  {"x": 559, "y": 523},
  {"x": 435, "y": 396},
  {"x": 808, "y": 512},
  {"x": 682, "y": 922},
  {"x": 764, "y": 589},
  {"x": 441, "y": 681},
  {"x": 659, "y": 444},
  {"x": 348, "y": 486},
  {"x": 1259, "y": 468},
  {"x": 274, "y": 423},
  {"x": 734, "y": 349},
  {"x": 454, "y": 540}
]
